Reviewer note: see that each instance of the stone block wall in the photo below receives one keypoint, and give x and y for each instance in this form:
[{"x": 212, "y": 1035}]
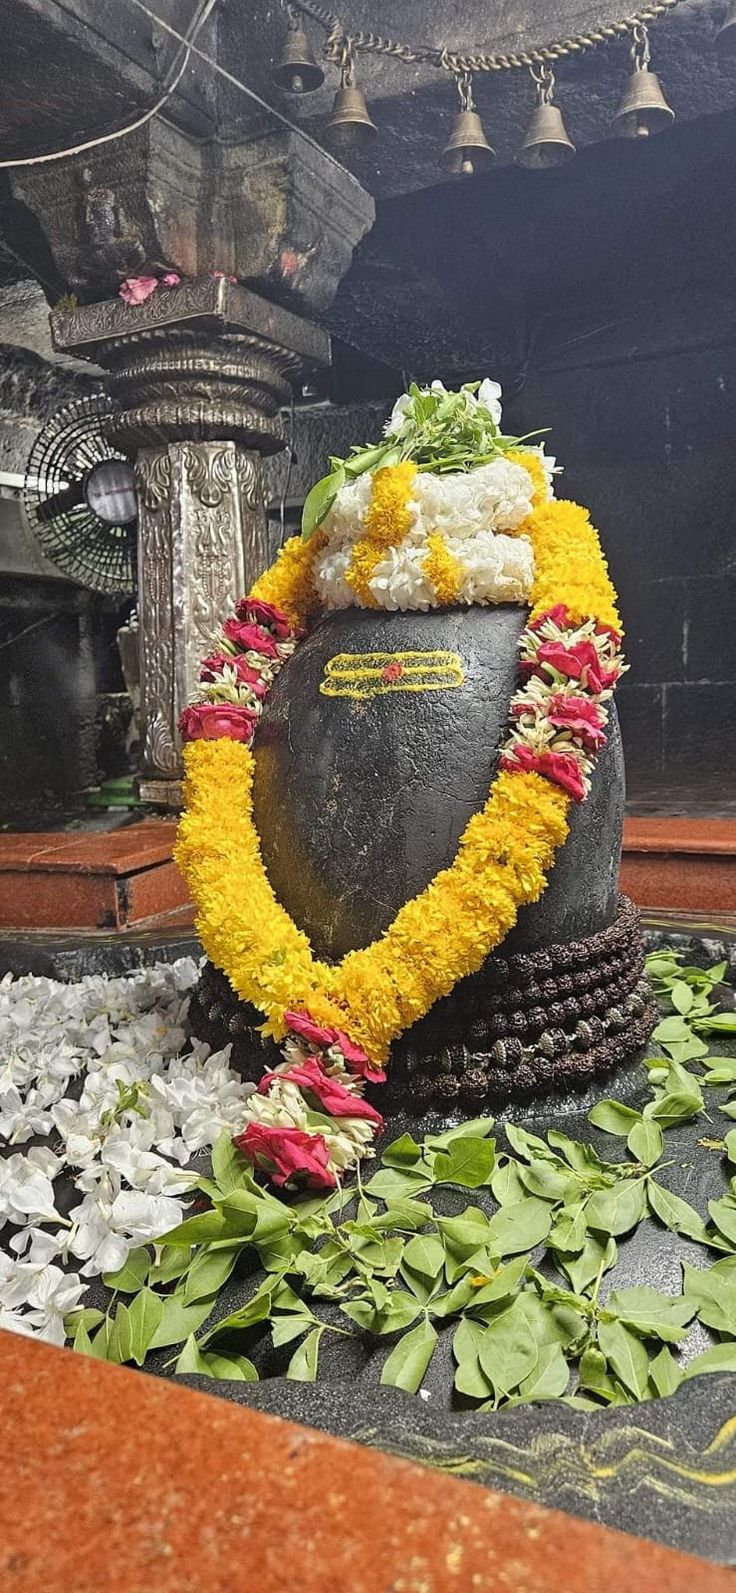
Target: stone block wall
[{"x": 648, "y": 446}]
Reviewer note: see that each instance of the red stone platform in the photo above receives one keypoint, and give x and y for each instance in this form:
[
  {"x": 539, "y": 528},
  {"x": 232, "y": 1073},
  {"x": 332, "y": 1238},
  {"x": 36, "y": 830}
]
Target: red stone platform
[
  {"x": 678, "y": 863},
  {"x": 116, "y": 1482},
  {"x": 125, "y": 879},
  {"x": 113, "y": 880}
]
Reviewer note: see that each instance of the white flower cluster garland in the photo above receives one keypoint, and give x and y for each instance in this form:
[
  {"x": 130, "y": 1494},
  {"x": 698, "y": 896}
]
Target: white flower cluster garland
[
  {"x": 471, "y": 510},
  {"x": 102, "y": 1072}
]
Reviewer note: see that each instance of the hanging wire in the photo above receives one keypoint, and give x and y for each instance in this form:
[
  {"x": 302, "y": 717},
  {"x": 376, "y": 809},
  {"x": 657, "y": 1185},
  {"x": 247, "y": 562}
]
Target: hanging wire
[{"x": 187, "y": 41}]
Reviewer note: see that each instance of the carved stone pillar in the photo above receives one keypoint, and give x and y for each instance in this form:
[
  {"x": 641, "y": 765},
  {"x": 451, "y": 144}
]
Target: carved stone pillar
[{"x": 199, "y": 374}]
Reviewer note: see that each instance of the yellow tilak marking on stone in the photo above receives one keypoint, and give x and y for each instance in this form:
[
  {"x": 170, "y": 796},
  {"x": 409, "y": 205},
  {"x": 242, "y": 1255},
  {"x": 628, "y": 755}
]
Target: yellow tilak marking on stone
[{"x": 365, "y": 674}]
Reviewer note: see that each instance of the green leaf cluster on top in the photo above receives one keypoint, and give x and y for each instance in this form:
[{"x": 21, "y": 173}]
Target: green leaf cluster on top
[
  {"x": 524, "y": 1280},
  {"x": 437, "y": 430}
]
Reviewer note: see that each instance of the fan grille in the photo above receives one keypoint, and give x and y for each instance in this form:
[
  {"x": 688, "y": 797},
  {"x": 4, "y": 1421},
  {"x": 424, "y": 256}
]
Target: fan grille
[{"x": 83, "y": 546}]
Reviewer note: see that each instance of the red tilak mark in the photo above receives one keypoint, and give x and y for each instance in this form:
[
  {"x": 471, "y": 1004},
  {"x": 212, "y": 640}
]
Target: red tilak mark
[{"x": 392, "y": 672}]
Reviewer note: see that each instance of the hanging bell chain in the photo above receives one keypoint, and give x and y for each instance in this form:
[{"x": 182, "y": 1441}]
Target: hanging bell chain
[{"x": 544, "y": 80}]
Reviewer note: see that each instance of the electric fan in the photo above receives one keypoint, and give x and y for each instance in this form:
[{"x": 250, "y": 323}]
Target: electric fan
[{"x": 79, "y": 497}]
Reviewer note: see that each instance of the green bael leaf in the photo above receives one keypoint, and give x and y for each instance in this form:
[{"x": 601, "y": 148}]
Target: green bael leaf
[
  {"x": 627, "y": 1355},
  {"x": 613, "y": 1117},
  {"x": 508, "y": 1350},
  {"x": 409, "y": 1359},
  {"x": 665, "y": 1373},
  {"x": 319, "y": 501},
  {"x": 660, "y": 1316},
  {"x": 468, "y": 1162},
  {"x": 519, "y": 1227},
  {"x": 675, "y": 1212},
  {"x": 302, "y": 1367},
  {"x": 645, "y": 1141},
  {"x": 144, "y": 1316},
  {"x": 619, "y": 1209}
]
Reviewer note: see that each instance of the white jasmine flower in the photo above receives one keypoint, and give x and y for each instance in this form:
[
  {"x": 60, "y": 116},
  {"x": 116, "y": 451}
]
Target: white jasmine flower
[
  {"x": 51, "y": 1295},
  {"x": 489, "y": 395},
  {"x": 399, "y": 581},
  {"x": 329, "y": 577},
  {"x": 26, "y": 1188}
]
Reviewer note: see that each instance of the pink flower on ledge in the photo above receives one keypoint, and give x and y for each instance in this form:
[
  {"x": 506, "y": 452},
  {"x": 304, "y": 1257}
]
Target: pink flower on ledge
[
  {"x": 211, "y": 721},
  {"x": 559, "y": 767},
  {"x": 287, "y": 1154},
  {"x": 135, "y": 290},
  {"x": 558, "y": 616},
  {"x": 333, "y": 1097}
]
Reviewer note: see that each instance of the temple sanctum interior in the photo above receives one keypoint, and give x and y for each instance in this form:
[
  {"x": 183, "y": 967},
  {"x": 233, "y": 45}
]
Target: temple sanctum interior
[{"x": 367, "y": 814}]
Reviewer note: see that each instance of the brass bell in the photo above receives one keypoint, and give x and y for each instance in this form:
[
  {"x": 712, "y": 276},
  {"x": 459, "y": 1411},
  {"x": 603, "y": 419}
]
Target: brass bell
[
  {"x": 546, "y": 143},
  {"x": 643, "y": 109},
  {"x": 349, "y": 121},
  {"x": 467, "y": 149},
  {"x": 296, "y": 70},
  {"x": 726, "y": 35}
]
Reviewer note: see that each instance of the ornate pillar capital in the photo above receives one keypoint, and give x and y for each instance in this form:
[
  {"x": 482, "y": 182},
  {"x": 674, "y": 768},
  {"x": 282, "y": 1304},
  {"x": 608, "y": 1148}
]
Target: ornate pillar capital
[{"x": 199, "y": 374}]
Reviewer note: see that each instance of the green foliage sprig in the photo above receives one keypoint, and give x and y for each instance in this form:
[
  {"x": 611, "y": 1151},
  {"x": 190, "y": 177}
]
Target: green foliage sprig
[
  {"x": 523, "y": 1281},
  {"x": 439, "y": 431}
]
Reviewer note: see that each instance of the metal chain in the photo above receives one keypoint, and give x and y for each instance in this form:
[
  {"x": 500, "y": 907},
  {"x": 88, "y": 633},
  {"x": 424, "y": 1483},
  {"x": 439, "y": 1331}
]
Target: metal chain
[{"x": 497, "y": 61}]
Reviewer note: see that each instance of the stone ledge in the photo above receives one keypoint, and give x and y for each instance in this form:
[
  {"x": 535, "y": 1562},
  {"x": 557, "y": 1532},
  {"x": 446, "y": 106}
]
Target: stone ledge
[{"x": 115, "y": 1482}]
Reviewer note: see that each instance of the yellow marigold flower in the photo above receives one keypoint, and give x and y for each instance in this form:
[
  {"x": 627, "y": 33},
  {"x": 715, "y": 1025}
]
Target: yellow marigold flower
[
  {"x": 289, "y": 582},
  {"x": 386, "y": 524},
  {"x": 532, "y": 463},
  {"x": 442, "y": 569},
  {"x": 389, "y": 517}
]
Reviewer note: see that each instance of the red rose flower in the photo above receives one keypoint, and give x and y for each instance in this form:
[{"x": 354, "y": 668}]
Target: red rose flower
[
  {"x": 579, "y": 715},
  {"x": 287, "y": 1153},
  {"x": 357, "y": 1060},
  {"x": 560, "y": 767},
  {"x": 558, "y": 616},
  {"x": 212, "y": 668},
  {"x": 579, "y": 661},
  {"x": 251, "y": 638},
  {"x": 301, "y": 1024},
  {"x": 331, "y": 1094},
  {"x": 210, "y": 721},
  {"x": 258, "y": 613},
  {"x": 608, "y": 630}
]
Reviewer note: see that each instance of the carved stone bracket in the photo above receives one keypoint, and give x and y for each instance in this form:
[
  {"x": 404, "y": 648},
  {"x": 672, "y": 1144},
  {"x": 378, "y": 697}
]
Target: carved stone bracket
[{"x": 200, "y": 373}]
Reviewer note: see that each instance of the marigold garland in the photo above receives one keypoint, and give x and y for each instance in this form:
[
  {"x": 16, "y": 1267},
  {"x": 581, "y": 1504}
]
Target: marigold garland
[
  {"x": 340, "y": 1019},
  {"x": 386, "y": 524},
  {"x": 442, "y": 569}
]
